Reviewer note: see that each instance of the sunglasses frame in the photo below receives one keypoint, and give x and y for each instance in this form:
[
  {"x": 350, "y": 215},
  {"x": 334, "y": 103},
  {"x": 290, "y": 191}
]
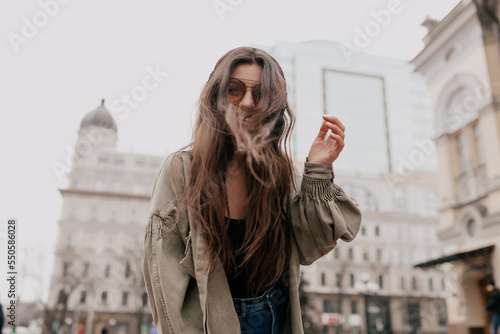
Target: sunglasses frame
[{"x": 256, "y": 101}]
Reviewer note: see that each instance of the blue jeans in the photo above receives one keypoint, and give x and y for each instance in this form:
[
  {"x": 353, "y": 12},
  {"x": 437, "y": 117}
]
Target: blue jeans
[
  {"x": 495, "y": 323},
  {"x": 265, "y": 314}
]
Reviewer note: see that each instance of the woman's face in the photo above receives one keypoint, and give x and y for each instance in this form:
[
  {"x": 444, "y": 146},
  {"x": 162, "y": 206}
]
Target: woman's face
[{"x": 244, "y": 89}]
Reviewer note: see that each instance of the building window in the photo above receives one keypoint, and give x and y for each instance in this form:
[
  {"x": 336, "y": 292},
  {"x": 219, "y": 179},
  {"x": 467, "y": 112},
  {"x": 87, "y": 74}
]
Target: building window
[
  {"x": 83, "y": 297},
  {"x": 431, "y": 284},
  {"x": 463, "y": 152},
  {"x": 144, "y": 299},
  {"x": 381, "y": 281},
  {"x": 399, "y": 198},
  {"x": 102, "y": 163},
  {"x": 412, "y": 317},
  {"x": 377, "y": 231},
  {"x": 85, "y": 269},
  {"x": 443, "y": 286},
  {"x": 65, "y": 269},
  {"x": 350, "y": 253},
  {"x": 73, "y": 211},
  {"x": 113, "y": 214},
  {"x": 110, "y": 241},
  {"x": 127, "y": 270},
  {"x": 93, "y": 212},
  {"x": 352, "y": 280},
  {"x": 354, "y": 307},
  {"x": 63, "y": 297},
  {"x": 331, "y": 306},
  {"x": 124, "y": 298},
  {"x": 338, "y": 280},
  {"x": 104, "y": 298},
  {"x": 323, "y": 279},
  {"x": 118, "y": 165},
  {"x": 363, "y": 230},
  {"x": 129, "y": 242},
  {"x": 471, "y": 227},
  {"x": 133, "y": 215},
  {"x": 365, "y": 254},
  {"x": 90, "y": 239},
  {"x": 140, "y": 165},
  {"x": 154, "y": 167},
  {"x": 69, "y": 239},
  {"x": 414, "y": 283},
  {"x": 379, "y": 255},
  {"x": 106, "y": 271},
  {"x": 441, "y": 312},
  {"x": 402, "y": 283},
  {"x": 479, "y": 145}
]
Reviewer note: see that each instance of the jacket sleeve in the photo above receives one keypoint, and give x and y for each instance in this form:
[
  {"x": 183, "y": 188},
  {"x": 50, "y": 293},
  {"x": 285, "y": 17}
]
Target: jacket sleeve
[
  {"x": 171, "y": 288},
  {"x": 321, "y": 213}
]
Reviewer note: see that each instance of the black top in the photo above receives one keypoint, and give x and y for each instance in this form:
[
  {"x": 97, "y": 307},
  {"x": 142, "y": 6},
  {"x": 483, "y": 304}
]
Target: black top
[{"x": 238, "y": 280}]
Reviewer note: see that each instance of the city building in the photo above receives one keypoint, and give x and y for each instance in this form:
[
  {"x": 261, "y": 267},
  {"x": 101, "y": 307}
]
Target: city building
[
  {"x": 388, "y": 166},
  {"x": 381, "y": 101},
  {"x": 97, "y": 280},
  {"x": 369, "y": 285},
  {"x": 461, "y": 61}
]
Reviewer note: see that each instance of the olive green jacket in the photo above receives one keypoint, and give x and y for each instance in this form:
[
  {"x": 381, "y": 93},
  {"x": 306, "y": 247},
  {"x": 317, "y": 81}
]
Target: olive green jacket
[{"x": 186, "y": 298}]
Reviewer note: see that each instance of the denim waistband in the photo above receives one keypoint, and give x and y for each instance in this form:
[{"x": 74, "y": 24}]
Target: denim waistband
[
  {"x": 260, "y": 298},
  {"x": 266, "y": 313}
]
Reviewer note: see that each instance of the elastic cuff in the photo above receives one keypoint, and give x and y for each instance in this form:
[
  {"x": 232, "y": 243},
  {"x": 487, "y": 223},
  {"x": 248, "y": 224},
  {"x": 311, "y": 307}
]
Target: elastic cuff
[
  {"x": 318, "y": 171},
  {"x": 318, "y": 189}
]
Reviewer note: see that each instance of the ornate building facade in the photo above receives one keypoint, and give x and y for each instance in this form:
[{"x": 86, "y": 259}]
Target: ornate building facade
[
  {"x": 370, "y": 285},
  {"x": 461, "y": 61},
  {"x": 97, "y": 280}
]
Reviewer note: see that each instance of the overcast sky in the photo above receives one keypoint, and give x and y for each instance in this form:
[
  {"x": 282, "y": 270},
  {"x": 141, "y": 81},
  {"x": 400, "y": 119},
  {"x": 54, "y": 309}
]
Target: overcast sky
[{"x": 57, "y": 67}]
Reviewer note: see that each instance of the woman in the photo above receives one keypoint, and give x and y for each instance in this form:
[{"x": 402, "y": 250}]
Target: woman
[{"x": 231, "y": 221}]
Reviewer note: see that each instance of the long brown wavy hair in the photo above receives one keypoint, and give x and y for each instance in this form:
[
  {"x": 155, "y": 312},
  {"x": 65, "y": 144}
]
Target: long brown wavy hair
[{"x": 216, "y": 137}]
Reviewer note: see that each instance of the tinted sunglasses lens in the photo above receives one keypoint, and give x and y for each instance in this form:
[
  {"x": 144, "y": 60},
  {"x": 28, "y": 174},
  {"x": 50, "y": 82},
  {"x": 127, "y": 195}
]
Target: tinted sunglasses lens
[
  {"x": 235, "y": 90},
  {"x": 256, "y": 93}
]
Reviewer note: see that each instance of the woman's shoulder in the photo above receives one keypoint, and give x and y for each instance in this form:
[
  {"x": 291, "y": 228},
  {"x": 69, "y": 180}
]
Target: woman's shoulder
[{"x": 170, "y": 180}]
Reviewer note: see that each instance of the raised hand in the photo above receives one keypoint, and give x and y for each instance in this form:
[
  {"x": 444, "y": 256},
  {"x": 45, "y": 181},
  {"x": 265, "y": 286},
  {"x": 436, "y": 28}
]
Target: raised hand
[{"x": 327, "y": 150}]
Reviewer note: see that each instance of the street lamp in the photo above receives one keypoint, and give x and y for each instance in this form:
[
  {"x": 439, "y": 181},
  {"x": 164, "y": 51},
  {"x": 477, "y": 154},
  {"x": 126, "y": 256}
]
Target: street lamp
[{"x": 367, "y": 288}]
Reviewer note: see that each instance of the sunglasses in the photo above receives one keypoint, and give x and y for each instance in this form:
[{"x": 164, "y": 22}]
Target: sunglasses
[{"x": 236, "y": 90}]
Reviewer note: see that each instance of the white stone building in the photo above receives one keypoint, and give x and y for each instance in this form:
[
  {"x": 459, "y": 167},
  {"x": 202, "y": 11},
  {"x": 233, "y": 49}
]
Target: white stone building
[
  {"x": 460, "y": 61},
  {"x": 98, "y": 259},
  {"x": 398, "y": 230},
  {"x": 382, "y": 102}
]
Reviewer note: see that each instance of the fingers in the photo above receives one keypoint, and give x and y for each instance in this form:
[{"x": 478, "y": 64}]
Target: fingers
[
  {"x": 334, "y": 120},
  {"x": 338, "y": 139},
  {"x": 323, "y": 130},
  {"x": 336, "y": 129}
]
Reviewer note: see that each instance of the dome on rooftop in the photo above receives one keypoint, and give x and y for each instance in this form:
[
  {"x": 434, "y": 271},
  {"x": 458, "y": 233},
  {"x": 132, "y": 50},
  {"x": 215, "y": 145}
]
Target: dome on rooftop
[{"x": 100, "y": 117}]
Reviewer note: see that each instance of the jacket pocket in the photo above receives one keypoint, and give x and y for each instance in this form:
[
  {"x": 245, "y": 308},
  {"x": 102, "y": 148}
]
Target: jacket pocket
[{"x": 187, "y": 260}]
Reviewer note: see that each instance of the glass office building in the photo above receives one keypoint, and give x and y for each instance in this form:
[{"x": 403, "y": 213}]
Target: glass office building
[{"x": 381, "y": 101}]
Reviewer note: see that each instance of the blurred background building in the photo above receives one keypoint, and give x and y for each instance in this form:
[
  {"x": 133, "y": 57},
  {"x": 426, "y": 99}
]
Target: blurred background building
[
  {"x": 461, "y": 63},
  {"x": 381, "y": 100},
  {"x": 369, "y": 285},
  {"x": 97, "y": 280}
]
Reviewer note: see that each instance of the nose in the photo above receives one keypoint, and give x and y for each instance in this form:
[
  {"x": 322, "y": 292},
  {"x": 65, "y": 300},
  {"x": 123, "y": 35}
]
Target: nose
[{"x": 247, "y": 100}]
